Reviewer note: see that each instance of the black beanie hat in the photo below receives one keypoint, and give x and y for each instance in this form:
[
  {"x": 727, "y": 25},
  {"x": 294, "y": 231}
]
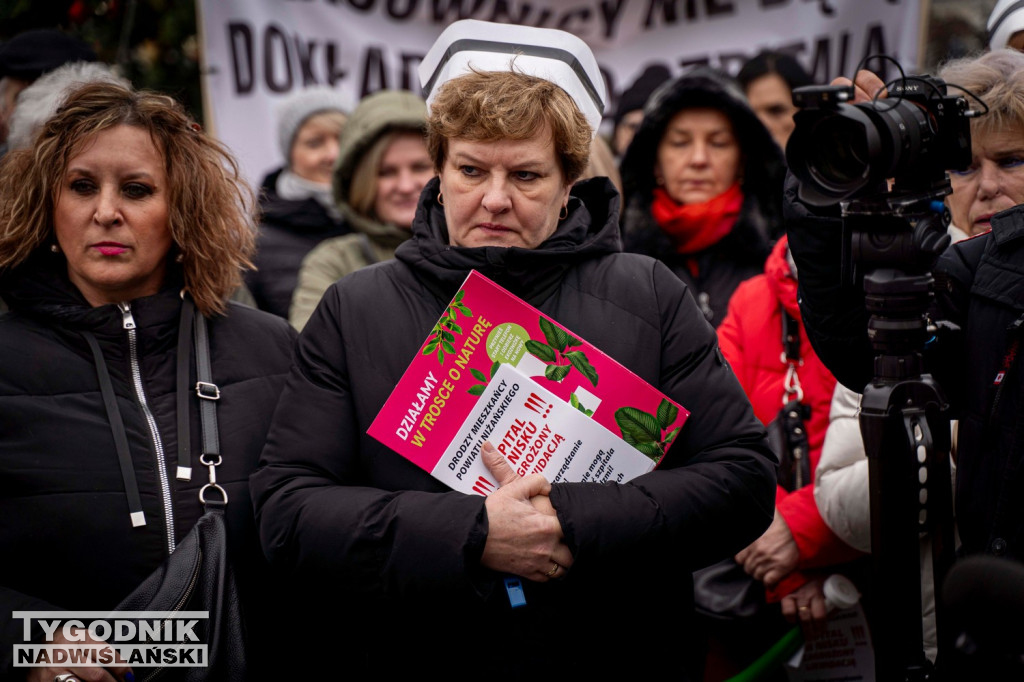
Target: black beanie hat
[
  {"x": 29, "y": 55},
  {"x": 635, "y": 96}
]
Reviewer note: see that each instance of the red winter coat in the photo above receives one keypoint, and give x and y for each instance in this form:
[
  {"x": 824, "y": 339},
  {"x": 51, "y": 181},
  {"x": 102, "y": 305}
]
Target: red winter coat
[{"x": 751, "y": 339}]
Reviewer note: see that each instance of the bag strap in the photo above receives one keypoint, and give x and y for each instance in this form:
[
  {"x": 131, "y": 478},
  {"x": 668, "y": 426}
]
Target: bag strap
[
  {"x": 184, "y": 466},
  {"x": 790, "y": 337},
  {"x": 124, "y": 457},
  {"x": 791, "y": 358},
  {"x": 209, "y": 394}
]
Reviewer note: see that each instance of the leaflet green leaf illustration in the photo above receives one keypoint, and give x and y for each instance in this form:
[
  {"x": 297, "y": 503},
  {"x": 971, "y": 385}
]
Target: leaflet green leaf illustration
[
  {"x": 557, "y": 338},
  {"x": 580, "y": 362},
  {"x": 541, "y": 350},
  {"x": 667, "y": 413},
  {"x": 644, "y": 431},
  {"x": 556, "y": 372},
  {"x": 575, "y": 402},
  {"x": 478, "y": 389},
  {"x": 554, "y": 353},
  {"x": 443, "y": 332},
  {"x": 652, "y": 450},
  {"x": 643, "y": 427}
]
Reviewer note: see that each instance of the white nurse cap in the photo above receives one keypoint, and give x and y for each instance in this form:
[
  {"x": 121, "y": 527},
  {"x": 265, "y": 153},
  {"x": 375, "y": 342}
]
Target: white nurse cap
[{"x": 546, "y": 53}]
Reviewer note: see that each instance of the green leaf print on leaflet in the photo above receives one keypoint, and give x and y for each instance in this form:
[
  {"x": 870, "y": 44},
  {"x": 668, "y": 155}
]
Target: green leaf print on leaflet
[
  {"x": 478, "y": 389},
  {"x": 575, "y": 402},
  {"x": 555, "y": 351},
  {"x": 443, "y": 334},
  {"x": 645, "y": 431}
]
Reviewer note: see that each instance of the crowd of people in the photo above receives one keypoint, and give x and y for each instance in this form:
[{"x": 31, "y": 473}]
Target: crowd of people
[{"x": 678, "y": 245}]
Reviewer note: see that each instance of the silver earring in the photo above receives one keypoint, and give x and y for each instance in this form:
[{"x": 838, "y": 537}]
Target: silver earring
[
  {"x": 55, "y": 248},
  {"x": 180, "y": 258}
]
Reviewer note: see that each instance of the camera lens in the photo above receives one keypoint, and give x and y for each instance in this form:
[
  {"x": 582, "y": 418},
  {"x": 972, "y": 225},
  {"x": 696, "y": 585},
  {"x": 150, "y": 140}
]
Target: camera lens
[
  {"x": 840, "y": 155},
  {"x": 834, "y": 153}
]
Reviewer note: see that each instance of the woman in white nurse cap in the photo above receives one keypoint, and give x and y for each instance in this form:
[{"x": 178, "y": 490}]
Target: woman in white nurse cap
[{"x": 557, "y": 580}]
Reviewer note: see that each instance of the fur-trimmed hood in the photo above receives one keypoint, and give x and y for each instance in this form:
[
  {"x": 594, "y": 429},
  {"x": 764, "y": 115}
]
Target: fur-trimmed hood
[{"x": 763, "y": 166}]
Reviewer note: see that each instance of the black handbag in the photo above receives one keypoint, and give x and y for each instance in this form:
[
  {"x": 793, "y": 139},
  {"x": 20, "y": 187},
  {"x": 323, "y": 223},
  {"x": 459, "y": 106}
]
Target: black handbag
[
  {"x": 197, "y": 576},
  {"x": 724, "y": 590}
]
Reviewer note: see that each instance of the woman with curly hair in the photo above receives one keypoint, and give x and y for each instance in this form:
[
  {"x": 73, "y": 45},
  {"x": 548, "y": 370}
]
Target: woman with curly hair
[{"x": 121, "y": 225}]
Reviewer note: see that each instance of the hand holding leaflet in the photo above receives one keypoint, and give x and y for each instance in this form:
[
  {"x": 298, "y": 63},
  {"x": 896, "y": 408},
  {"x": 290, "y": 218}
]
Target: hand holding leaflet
[{"x": 524, "y": 536}]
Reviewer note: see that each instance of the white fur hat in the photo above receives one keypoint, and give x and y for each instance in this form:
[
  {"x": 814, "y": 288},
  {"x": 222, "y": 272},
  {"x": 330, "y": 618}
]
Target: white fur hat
[
  {"x": 1006, "y": 19},
  {"x": 293, "y": 111},
  {"x": 546, "y": 53}
]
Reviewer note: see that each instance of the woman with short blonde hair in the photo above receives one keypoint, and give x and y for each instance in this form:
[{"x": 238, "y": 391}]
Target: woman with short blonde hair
[{"x": 386, "y": 547}]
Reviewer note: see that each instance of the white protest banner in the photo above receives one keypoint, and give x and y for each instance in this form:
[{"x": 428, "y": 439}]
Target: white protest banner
[{"x": 258, "y": 51}]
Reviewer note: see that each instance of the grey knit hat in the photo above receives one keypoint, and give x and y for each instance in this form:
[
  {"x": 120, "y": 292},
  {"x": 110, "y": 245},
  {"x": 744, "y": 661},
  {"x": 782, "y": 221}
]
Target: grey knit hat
[{"x": 300, "y": 105}]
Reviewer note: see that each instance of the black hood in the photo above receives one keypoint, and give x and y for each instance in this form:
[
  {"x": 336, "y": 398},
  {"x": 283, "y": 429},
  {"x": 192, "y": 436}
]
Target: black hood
[
  {"x": 590, "y": 230},
  {"x": 763, "y": 167}
]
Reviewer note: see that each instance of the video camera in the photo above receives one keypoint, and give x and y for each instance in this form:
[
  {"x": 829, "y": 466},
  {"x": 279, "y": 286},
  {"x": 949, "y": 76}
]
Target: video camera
[
  {"x": 840, "y": 150},
  {"x": 845, "y": 154}
]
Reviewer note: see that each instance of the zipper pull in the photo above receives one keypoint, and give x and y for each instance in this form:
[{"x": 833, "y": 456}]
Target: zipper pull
[{"x": 126, "y": 315}]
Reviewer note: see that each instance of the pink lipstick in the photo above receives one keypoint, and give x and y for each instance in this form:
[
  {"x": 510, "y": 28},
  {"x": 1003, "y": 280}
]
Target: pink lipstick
[{"x": 110, "y": 248}]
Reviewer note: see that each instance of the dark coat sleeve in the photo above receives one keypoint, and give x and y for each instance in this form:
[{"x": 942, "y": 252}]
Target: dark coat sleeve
[
  {"x": 832, "y": 309},
  {"x": 317, "y": 517},
  {"x": 714, "y": 493}
]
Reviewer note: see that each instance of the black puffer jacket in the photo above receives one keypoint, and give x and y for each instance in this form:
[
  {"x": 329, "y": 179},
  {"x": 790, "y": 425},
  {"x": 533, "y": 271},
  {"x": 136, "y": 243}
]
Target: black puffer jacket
[
  {"x": 289, "y": 230},
  {"x": 400, "y": 552},
  {"x": 980, "y": 288},
  {"x": 65, "y": 535},
  {"x": 713, "y": 274}
]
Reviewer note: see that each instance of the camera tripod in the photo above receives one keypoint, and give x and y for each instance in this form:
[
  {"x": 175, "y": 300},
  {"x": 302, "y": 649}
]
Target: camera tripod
[{"x": 895, "y": 240}]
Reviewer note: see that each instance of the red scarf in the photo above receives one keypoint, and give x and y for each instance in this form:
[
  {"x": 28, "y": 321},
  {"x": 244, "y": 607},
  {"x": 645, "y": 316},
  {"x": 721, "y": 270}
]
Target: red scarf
[{"x": 695, "y": 227}]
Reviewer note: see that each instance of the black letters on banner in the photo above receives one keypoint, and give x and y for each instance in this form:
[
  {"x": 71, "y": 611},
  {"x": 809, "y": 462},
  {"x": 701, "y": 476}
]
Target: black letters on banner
[
  {"x": 240, "y": 40},
  {"x": 410, "y": 79},
  {"x": 875, "y": 44},
  {"x": 442, "y": 9},
  {"x": 334, "y": 71},
  {"x": 280, "y": 54},
  {"x": 305, "y": 51},
  {"x": 580, "y": 13},
  {"x": 610, "y": 11},
  {"x": 275, "y": 36},
  {"x": 374, "y": 77},
  {"x": 502, "y": 13},
  {"x": 823, "y": 6},
  {"x": 396, "y": 11},
  {"x": 670, "y": 13}
]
